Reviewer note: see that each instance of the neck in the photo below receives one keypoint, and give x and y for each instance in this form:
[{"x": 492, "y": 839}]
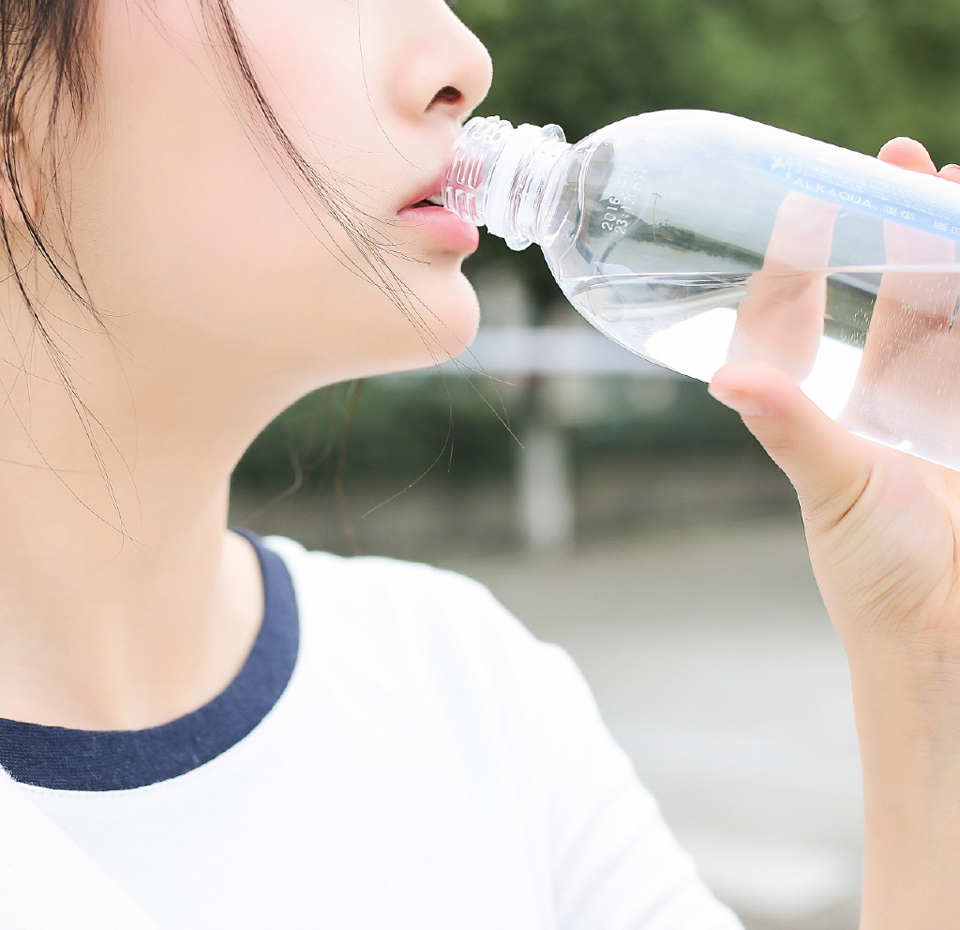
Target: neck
[{"x": 124, "y": 602}]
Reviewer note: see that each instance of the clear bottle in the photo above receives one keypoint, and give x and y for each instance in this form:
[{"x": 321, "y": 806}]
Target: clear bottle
[{"x": 694, "y": 238}]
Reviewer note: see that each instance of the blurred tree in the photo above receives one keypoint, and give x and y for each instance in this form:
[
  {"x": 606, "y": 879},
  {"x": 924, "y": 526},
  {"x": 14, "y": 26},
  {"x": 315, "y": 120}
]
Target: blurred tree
[{"x": 852, "y": 72}]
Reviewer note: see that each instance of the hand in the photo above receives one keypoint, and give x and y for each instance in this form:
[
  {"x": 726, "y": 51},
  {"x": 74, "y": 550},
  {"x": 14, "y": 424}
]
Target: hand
[
  {"x": 880, "y": 525},
  {"x": 883, "y": 530}
]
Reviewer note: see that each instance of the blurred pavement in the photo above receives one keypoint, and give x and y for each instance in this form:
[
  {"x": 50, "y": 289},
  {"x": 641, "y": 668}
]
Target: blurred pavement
[{"x": 715, "y": 666}]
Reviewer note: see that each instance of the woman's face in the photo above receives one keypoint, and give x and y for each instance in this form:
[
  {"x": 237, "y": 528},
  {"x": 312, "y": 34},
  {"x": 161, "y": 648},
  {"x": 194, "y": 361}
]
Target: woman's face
[{"x": 206, "y": 255}]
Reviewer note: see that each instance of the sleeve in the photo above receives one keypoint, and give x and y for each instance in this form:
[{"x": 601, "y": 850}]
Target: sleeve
[{"x": 615, "y": 864}]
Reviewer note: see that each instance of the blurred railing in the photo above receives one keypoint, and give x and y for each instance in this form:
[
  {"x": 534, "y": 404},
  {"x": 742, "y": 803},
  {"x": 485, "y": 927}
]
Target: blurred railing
[{"x": 530, "y": 354}]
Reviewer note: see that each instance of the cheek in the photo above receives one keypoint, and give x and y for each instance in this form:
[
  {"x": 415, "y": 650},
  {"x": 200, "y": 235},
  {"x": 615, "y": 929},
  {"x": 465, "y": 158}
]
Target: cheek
[
  {"x": 310, "y": 65},
  {"x": 207, "y": 255}
]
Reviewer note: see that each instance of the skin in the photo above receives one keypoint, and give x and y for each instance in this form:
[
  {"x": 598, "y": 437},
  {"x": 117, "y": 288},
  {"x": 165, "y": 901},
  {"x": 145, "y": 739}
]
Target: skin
[{"x": 225, "y": 299}]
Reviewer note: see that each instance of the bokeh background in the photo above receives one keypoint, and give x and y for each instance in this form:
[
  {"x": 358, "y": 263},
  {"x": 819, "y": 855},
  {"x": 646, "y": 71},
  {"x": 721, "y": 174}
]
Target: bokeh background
[{"x": 619, "y": 510}]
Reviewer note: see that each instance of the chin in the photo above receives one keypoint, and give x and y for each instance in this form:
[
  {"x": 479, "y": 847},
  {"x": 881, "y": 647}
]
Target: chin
[
  {"x": 368, "y": 334},
  {"x": 451, "y": 316}
]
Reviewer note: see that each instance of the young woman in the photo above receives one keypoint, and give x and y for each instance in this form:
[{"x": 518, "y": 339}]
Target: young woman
[{"x": 209, "y": 209}]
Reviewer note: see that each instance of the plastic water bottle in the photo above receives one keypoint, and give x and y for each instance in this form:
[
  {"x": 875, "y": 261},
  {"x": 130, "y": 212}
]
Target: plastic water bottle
[{"x": 695, "y": 238}]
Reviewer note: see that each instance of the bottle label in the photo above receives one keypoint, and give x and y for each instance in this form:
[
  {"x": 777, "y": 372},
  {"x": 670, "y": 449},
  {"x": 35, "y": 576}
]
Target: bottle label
[{"x": 865, "y": 195}]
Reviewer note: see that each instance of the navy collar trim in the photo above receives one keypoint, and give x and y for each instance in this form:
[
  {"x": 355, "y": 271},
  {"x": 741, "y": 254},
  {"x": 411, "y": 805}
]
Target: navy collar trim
[{"x": 114, "y": 760}]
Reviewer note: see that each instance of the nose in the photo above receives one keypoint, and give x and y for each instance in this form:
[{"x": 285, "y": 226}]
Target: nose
[{"x": 451, "y": 71}]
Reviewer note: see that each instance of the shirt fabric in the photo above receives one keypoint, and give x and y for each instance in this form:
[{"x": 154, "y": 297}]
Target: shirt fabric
[
  {"x": 84, "y": 760},
  {"x": 428, "y": 764}
]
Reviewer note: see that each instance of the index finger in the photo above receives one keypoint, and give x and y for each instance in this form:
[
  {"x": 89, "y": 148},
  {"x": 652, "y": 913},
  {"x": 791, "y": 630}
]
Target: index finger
[{"x": 781, "y": 319}]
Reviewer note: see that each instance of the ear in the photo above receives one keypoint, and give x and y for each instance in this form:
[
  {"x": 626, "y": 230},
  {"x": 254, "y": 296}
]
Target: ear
[{"x": 11, "y": 151}]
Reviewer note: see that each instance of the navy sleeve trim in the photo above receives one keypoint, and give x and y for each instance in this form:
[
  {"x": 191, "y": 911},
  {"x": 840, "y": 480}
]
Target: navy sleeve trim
[{"x": 114, "y": 760}]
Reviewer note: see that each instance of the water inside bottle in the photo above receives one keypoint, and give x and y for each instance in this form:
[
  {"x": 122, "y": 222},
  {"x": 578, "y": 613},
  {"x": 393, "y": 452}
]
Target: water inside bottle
[{"x": 875, "y": 347}]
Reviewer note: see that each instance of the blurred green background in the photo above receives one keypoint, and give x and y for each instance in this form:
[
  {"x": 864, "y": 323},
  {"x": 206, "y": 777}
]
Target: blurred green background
[{"x": 852, "y": 72}]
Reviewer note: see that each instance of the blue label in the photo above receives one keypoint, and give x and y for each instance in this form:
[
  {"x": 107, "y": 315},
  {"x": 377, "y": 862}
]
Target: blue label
[{"x": 871, "y": 196}]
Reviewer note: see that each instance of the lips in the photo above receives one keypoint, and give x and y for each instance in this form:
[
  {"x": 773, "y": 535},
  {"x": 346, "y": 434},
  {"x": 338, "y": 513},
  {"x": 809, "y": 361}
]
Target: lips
[
  {"x": 434, "y": 200},
  {"x": 425, "y": 213},
  {"x": 429, "y": 197}
]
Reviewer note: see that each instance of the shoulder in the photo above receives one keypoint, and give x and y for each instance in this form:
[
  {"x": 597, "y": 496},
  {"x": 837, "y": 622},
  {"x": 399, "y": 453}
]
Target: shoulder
[
  {"x": 440, "y": 647},
  {"x": 396, "y": 605},
  {"x": 363, "y": 583},
  {"x": 419, "y": 627}
]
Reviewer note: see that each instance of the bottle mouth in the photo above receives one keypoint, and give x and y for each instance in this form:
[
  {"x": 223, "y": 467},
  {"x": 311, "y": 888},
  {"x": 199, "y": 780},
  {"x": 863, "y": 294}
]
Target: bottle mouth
[
  {"x": 466, "y": 183},
  {"x": 487, "y": 159}
]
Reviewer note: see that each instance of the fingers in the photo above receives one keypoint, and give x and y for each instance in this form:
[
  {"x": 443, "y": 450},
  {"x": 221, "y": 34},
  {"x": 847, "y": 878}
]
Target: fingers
[
  {"x": 781, "y": 320},
  {"x": 827, "y": 465},
  {"x": 910, "y": 343},
  {"x": 907, "y": 153},
  {"x": 950, "y": 173}
]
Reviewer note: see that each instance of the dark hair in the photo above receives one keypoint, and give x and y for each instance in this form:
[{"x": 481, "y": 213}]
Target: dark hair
[
  {"x": 45, "y": 43},
  {"x": 38, "y": 36}
]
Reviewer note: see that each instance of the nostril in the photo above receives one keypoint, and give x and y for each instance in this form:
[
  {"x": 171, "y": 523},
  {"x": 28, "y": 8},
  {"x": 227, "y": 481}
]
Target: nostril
[{"x": 446, "y": 94}]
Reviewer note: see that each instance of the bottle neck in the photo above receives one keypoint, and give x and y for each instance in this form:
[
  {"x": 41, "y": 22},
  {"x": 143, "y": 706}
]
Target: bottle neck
[{"x": 503, "y": 177}]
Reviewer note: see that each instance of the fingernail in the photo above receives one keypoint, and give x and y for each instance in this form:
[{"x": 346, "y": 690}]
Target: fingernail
[
  {"x": 744, "y": 404},
  {"x": 950, "y": 167}
]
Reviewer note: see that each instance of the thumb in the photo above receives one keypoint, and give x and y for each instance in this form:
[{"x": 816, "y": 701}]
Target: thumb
[{"x": 828, "y": 466}]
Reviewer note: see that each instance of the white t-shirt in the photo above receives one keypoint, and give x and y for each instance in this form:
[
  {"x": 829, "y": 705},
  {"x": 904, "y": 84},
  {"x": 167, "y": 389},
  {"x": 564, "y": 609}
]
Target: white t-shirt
[{"x": 429, "y": 765}]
